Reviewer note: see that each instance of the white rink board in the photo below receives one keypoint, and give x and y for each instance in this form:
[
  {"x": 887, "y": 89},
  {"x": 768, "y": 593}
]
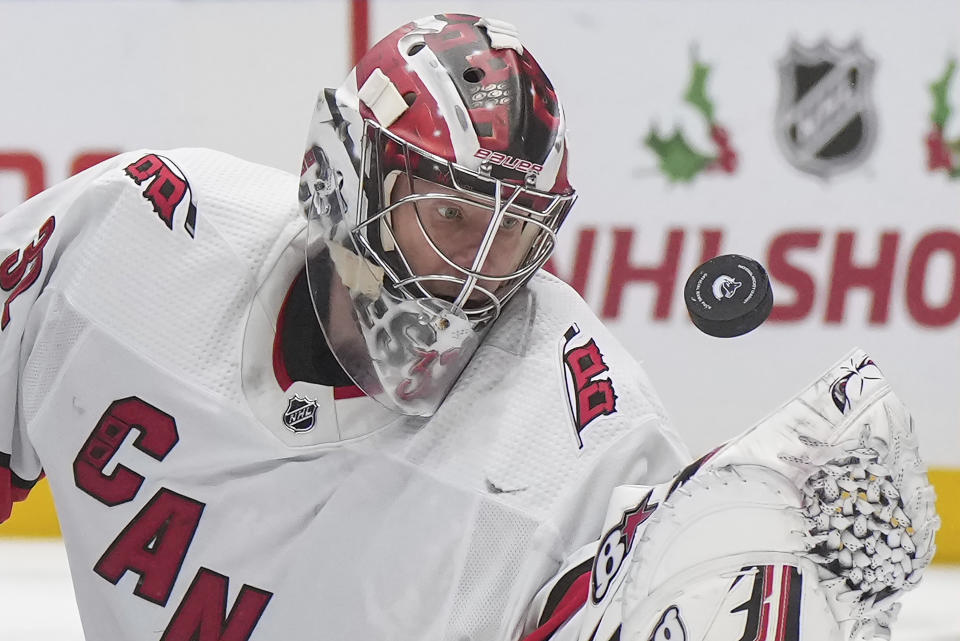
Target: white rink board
[{"x": 242, "y": 77}]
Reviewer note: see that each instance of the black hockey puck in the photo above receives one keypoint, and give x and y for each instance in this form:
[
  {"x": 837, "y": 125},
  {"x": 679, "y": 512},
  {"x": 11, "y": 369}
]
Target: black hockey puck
[{"x": 728, "y": 296}]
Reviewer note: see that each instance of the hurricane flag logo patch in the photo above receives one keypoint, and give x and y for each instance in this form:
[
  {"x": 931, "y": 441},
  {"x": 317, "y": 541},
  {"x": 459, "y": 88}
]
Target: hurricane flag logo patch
[{"x": 590, "y": 394}]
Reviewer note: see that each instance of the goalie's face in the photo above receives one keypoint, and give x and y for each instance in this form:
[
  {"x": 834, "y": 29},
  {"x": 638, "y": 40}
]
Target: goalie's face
[{"x": 444, "y": 238}]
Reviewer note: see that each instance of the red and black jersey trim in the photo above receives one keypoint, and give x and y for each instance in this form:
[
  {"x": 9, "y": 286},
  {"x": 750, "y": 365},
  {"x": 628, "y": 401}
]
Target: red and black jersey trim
[
  {"x": 279, "y": 362},
  {"x": 568, "y": 595},
  {"x": 16, "y": 481},
  {"x": 300, "y": 351},
  {"x": 13, "y": 488}
]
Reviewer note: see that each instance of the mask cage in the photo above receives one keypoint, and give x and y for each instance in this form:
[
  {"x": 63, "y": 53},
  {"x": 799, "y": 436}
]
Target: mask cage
[{"x": 507, "y": 195}]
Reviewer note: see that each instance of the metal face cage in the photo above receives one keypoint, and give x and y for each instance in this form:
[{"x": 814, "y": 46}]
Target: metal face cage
[{"x": 509, "y": 201}]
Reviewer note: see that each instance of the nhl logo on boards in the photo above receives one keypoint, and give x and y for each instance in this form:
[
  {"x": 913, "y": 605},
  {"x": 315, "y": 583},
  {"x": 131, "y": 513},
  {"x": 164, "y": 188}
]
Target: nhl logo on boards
[
  {"x": 826, "y": 120},
  {"x": 301, "y": 414}
]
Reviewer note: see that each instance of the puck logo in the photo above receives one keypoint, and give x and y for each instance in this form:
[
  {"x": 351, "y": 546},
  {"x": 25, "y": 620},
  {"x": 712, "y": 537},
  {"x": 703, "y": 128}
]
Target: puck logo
[
  {"x": 725, "y": 287},
  {"x": 301, "y": 414}
]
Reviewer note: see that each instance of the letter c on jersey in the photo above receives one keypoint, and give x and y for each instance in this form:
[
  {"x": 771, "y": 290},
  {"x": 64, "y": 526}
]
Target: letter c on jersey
[{"x": 158, "y": 435}]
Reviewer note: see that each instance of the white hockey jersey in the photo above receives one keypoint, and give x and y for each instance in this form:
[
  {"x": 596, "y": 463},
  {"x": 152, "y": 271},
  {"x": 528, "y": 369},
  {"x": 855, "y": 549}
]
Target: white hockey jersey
[{"x": 200, "y": 500}]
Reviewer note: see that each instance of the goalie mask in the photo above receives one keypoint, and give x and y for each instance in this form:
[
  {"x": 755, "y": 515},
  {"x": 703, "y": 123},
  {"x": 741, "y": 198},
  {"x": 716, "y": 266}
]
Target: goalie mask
[{"x": 434, "y": 181}]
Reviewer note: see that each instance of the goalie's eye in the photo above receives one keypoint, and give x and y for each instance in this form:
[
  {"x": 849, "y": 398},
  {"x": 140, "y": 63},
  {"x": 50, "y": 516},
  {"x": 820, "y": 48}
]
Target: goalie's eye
[
  {"x": 509, "y": 222},
  {"x": 448, "y": 212}
]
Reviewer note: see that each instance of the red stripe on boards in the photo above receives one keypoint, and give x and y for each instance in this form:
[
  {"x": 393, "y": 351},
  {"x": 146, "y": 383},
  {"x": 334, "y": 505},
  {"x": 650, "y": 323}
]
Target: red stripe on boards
[{"x": 359, "y": 29}]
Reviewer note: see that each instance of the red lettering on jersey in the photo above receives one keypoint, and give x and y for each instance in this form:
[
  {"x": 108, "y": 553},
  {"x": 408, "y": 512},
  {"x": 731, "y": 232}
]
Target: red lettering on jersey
[
  {"x": 20, "y": 270},
  {"x": 165, "y": 190},
  {"x": 153, "y": 545},
  {"x": 158, "y": 435},
  {"x": 202, "y": 615}
]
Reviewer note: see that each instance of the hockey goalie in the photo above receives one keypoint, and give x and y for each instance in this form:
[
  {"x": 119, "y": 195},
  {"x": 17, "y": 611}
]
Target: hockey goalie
[
  {"x": 809, "y": 526},
  {"x": 349, "y": 403}
]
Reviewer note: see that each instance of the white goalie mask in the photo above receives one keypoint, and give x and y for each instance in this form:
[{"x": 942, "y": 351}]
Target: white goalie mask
[{"x": 418, "y": 231}]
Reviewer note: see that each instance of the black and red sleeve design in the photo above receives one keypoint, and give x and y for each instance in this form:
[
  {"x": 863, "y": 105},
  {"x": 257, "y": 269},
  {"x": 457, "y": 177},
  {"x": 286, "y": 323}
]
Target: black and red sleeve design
[
  {"x": 568, "y": 596},
  {"x": 12, "y": 487}
]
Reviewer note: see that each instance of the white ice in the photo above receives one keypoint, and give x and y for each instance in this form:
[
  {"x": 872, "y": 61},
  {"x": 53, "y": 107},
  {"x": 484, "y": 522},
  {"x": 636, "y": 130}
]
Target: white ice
[{"x": 36, "y": 598}]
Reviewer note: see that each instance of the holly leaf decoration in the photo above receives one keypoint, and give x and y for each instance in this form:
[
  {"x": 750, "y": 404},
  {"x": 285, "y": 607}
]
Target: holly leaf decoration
[
  {"x": 941, "y": 107},
  {"x": 678, "y": 160},
  {"x": 697, "y": 91}
]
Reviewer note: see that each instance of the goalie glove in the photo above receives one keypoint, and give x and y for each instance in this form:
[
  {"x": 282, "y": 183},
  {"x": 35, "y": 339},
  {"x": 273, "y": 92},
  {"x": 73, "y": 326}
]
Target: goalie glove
[{"x": 810, "y": 525}]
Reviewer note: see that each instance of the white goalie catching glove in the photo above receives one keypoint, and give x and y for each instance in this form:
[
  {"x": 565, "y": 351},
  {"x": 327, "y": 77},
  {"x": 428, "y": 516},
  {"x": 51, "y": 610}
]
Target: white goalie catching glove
[{"x": 808, "y": 526}]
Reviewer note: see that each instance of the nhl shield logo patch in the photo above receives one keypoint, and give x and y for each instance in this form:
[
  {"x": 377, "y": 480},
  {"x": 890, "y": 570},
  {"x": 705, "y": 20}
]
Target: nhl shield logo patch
[
  {"x": 301, "y": 414},
  {"x": 826, "y": 120}
]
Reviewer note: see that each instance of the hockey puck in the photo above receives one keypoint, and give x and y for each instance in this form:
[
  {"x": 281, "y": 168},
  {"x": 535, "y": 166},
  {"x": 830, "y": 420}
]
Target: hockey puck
[{"x": 728, "y": 296}]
